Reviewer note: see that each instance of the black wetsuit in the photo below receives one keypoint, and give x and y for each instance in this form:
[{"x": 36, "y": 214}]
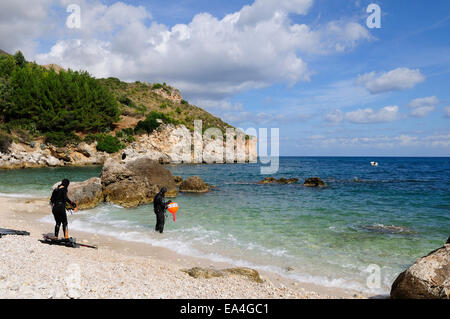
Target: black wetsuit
[
  {"x": 59, "y": 199},
  {"x": 159, "y": 206}
]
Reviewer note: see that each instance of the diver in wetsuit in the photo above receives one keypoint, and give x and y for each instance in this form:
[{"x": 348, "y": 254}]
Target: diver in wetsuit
[
  {"x": 159, "y": 207},
  {"x": 58, "y": 200}
]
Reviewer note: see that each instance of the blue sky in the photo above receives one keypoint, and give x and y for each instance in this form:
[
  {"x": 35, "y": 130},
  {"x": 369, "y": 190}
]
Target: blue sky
[{"x": 310, "y": 67}]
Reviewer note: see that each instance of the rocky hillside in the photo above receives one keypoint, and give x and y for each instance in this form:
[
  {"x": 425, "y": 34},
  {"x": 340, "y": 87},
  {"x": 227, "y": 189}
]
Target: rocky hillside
[
  {"x": 50, "y": 116},
  {"x": 138, "y": 99}
]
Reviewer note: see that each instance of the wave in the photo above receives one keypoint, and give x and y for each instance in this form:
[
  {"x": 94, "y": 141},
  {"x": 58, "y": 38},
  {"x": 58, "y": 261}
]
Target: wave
[{"x": 17, "y": 195}]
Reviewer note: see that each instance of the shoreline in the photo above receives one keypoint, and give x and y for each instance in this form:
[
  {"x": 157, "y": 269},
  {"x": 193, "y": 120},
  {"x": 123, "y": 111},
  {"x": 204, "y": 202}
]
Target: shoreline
[{"x": 24, "y": 213}]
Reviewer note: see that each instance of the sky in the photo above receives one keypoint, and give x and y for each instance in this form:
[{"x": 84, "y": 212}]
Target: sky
[{"x": 312, "y": 68}]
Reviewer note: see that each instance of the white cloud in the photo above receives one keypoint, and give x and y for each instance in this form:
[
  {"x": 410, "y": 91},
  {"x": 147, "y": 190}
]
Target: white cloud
[
  {"x": 364, "y": 116},
  {"x": 382, "y": 141},
  {"x": 447, "y": 111},
  {"x": 208, "y": 58},
  {"x": 422, "y": 106},
  {"x": 335, "y": 116},
  {"x": 218, "y": 105},
  {"x": 21, "y": 23},
  {"x": 394, "y": 80},
  {"x": 386, "y": 114}
]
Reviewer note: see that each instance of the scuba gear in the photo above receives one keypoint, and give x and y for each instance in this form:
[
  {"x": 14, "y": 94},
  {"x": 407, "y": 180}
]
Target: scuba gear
[
  {"x": 59, "y": 200},
  {"x": 159, "y": 207},
  {"x": 68, "y": 242},
  {"x": 4, "y": 231}
]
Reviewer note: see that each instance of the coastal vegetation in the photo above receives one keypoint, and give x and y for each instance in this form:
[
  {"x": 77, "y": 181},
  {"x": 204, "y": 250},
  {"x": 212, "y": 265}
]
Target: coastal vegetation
[{"x": 66, "y": 107}]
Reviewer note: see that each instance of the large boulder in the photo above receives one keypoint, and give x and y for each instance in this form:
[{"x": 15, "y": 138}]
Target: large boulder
[
  {"x": 87, "y": 194},
  {"x": 427, "y": 278},
  {"x": 135, "y": 182},
  {"x": 194, "y": 184},
  {"x": 314, "y": 182}
]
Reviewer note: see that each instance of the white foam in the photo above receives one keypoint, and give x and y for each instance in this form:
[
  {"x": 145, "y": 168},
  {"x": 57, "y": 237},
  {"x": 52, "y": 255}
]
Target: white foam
[{"x": 16, "y": 195}]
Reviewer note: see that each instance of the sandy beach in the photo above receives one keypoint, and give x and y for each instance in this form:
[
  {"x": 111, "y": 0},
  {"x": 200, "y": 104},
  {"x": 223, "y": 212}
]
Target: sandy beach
[{"x": 118, "y": 269}]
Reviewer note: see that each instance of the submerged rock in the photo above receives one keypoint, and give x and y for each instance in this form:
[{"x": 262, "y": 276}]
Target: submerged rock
[
  {"x": 135, "y": 182},
  {"x": 314, "y": 182},
  {"x": 380, "y": 228},
  {"x": 194, "y": 184},
  {"x": 272, "y": 180},
  {"x": 427, "y": 278},
  {"x": 87, "y": 194},
  {"x": 198, "y": 272}
]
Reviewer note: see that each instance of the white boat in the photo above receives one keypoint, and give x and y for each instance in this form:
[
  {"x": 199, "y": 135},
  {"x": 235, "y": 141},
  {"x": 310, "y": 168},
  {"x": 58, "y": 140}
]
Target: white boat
[{"x": 374, "y": 163}]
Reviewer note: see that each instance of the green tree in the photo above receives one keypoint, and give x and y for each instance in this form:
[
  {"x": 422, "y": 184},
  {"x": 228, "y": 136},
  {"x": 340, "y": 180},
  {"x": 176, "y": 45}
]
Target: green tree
[
  {"x": 7, "y": 65},
  {"x": 20, "y": 59}
]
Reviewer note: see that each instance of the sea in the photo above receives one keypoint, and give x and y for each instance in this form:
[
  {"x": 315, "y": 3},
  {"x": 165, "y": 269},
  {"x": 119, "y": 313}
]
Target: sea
[{"x": 368, "y": 225}]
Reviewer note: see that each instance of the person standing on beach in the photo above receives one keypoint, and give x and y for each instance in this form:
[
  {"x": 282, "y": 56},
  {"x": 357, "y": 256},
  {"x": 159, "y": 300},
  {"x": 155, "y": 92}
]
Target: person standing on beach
[
  {"x": 159, "y": 207},
  {"x": 58, "y": 201}
]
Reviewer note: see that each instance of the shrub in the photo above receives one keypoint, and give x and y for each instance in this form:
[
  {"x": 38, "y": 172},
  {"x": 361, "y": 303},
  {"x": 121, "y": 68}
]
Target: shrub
[
  {"x": 108, "y": 143},
  {"x": 178, "y": 110},
  {"x": 127, "y": 101},
  {"x": 5, "y": 142},
  {"x": 184, "y": 102},
  {"x": 61, "y": 139},
  {"x": 151, "y": 122},
  {"x": 90, "y": 138},
  {"x": 157, "y": 86}
]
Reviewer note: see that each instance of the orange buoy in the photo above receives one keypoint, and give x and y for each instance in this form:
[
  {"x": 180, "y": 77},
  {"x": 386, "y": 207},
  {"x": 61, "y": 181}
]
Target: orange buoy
[{"x": 173, "y": 209}]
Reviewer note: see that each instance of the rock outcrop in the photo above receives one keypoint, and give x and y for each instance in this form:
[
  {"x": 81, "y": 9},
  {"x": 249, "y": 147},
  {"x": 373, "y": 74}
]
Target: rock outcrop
[
  {"x": 170, "y": 93},
  {"x": 25, "y": 156},
  {"x": 167, "y": 144},
  {"x": 272, "y": 180},
  {"x": 87, "y": 194},
  {"x": 178, "y": 180},
  {"x": 194, "y": 184},
  {"x": 135, "y": 182},
  {"x": 427, "y": 278},
  {"x": 314, "y": 182},
  {"x": 198, "y": 272}
]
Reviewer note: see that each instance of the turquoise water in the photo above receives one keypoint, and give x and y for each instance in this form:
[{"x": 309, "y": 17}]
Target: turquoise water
[{"x": 327, "y": 236}]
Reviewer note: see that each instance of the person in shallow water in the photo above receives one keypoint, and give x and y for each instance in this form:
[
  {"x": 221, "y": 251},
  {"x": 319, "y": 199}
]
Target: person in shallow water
[
  {"x": 159, "y": 207},
  {"x": 58, "y": 201}
]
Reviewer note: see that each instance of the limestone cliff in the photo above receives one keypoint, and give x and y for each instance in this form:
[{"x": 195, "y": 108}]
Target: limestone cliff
[{"x": 167, "y": 144}]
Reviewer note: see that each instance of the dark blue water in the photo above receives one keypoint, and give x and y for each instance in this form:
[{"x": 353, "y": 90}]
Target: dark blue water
[{"x": 386, "y": 216}]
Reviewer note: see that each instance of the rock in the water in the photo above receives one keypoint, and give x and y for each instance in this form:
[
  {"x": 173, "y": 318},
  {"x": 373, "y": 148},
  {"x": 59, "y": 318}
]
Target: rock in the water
[
  {"x": 178, "y": 180},
  {"x": 314, "y": 182},
  {"x": 198, "y": 272},
  {"x": 272, "y": 180},
  {"x": 194, "y": 184},
  {"x": 380, "y": 228},
  {"x": 135, "y": 182},
  {"x": 87, "y": 194},
  {"x": 427, "y": 278}
]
